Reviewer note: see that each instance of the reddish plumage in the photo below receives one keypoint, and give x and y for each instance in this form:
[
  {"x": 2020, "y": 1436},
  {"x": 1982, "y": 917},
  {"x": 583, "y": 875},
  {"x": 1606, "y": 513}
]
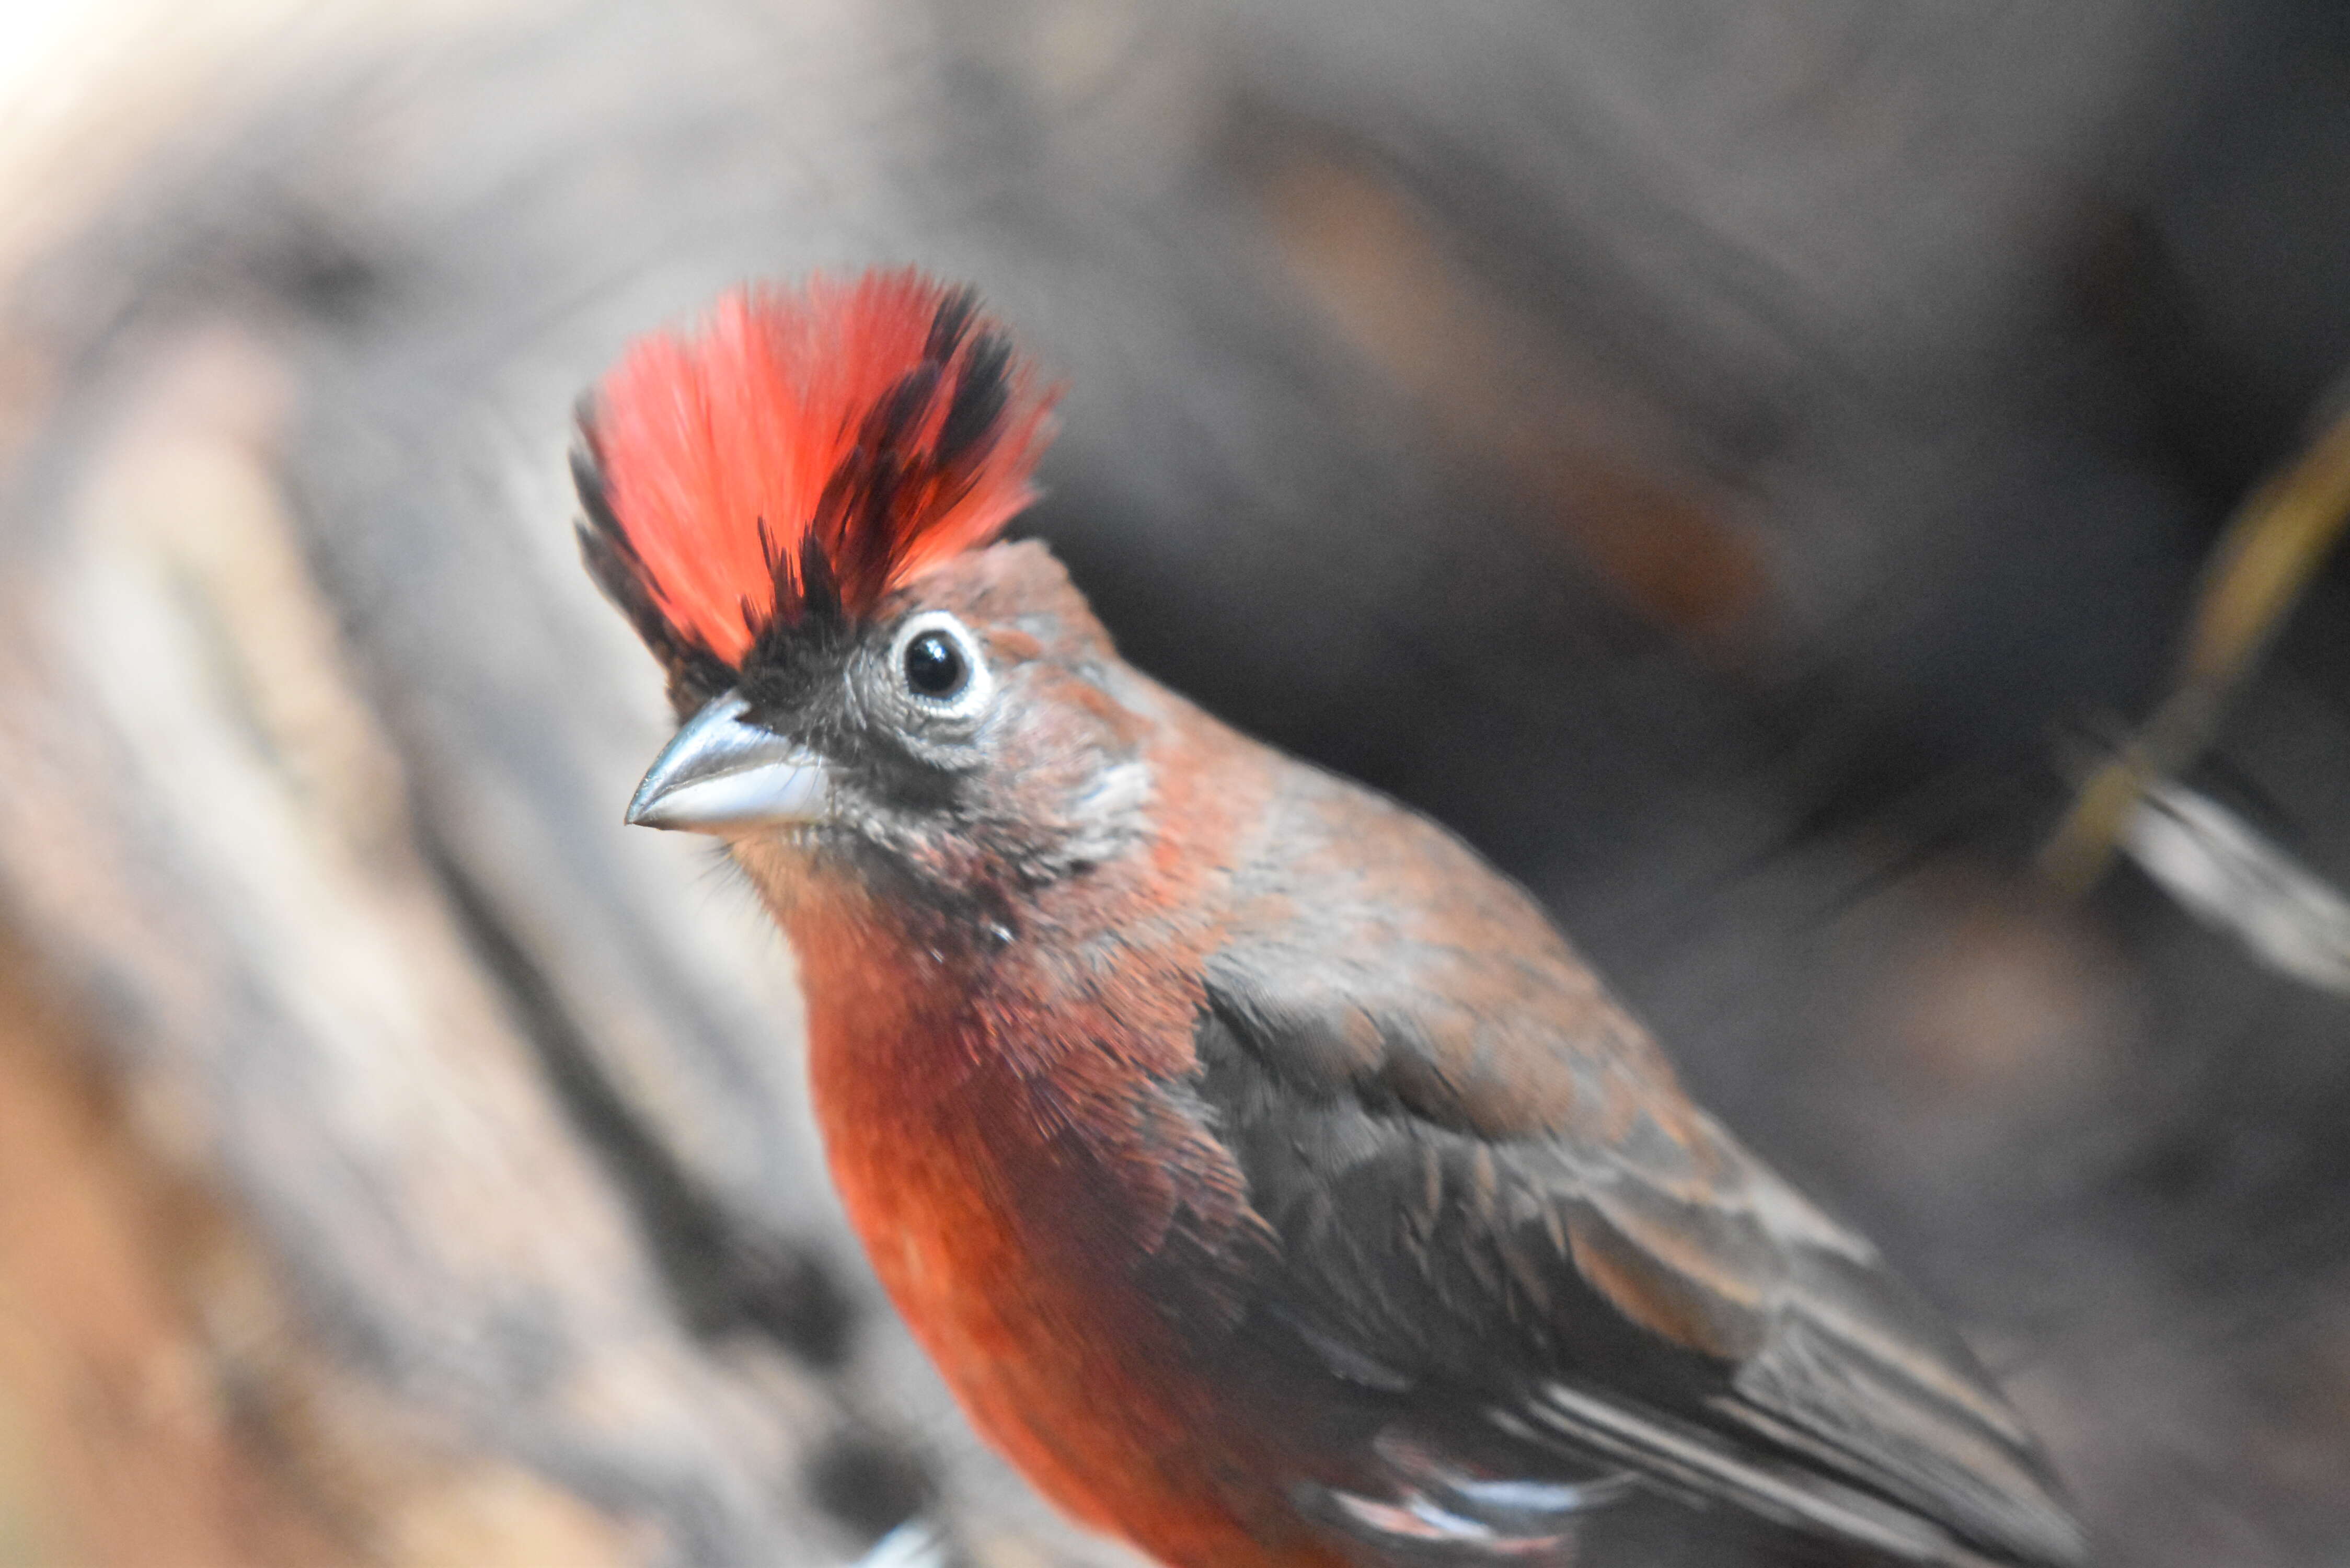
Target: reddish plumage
[
  {"x": 1000, "y": 1192},
  {"x": 1269, "y": 1179},
  {"x": 882, "y": 420}
]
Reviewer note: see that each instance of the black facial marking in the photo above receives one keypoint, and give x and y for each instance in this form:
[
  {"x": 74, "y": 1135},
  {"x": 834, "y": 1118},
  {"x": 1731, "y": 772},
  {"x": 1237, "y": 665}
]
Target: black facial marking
[
  {"x": 820, "y": 597},
  {"x": 788, "y": 657}
]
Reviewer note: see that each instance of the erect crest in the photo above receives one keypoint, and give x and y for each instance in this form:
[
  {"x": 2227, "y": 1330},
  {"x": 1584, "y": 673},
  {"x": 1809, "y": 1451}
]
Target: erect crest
[{"x": 801, "y": 453}]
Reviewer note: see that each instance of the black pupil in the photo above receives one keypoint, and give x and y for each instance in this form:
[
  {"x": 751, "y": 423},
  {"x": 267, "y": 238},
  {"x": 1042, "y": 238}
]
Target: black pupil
[{"x": 934, "y": 665}]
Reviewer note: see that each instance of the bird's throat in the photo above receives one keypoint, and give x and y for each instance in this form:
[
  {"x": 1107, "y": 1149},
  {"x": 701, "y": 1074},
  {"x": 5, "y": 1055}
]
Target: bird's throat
[{"x": 995, "y": 1120}]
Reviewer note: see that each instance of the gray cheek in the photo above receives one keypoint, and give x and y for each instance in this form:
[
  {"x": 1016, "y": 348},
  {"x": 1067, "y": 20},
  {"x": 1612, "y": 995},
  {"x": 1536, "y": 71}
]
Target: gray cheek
[
  {"x": 891, "y": 720},
  {"x": 1111, "y": 814},
  {"x": 955, "y": 755},
  {"x": 1121, "y": 790}
]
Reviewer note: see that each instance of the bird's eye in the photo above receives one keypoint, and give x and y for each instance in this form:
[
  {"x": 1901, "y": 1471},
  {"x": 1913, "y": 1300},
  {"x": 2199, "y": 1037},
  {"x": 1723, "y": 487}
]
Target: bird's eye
[
  {"x": 935, "y": 668},
  {"x": 938, "y": 664}
]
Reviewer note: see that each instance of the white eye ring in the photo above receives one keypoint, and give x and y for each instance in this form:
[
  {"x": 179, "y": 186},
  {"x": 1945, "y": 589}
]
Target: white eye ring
[{"x": 929, "y": 646}]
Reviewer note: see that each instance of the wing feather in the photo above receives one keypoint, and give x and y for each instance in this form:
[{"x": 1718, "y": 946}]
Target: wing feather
[{"x": 1488, "y": 1191}]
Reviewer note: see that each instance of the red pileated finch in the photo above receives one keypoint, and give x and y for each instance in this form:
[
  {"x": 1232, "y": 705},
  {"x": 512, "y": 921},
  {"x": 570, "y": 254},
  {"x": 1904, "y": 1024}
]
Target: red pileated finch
[{"x": 1271, "y": 1181}]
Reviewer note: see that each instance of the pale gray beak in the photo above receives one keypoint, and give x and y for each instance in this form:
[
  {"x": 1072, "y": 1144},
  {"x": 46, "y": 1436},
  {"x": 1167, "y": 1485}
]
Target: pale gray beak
[{"x": 721, "y": 775}]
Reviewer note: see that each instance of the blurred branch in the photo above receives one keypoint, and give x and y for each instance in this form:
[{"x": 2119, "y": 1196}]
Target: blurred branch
[
  {"x": 2237, "y": 881},
  {"x": 2268, "y": 554}
]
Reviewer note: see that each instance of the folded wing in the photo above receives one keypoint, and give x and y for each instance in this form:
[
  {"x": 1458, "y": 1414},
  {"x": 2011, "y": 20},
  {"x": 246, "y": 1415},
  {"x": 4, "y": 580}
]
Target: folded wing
[{"x": 1491, "y": 1197}]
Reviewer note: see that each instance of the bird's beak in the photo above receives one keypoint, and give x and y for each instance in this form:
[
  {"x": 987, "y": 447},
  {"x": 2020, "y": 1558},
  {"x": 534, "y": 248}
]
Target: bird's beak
[{"x": 722, "y": 776}]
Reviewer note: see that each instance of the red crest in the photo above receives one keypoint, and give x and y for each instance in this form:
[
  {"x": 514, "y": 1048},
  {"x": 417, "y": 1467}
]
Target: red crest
[{"x": 801, "y": 451}]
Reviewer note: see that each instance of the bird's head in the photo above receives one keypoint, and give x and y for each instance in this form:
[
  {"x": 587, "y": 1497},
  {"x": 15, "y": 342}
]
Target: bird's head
[{"x": 795, "y": 505}]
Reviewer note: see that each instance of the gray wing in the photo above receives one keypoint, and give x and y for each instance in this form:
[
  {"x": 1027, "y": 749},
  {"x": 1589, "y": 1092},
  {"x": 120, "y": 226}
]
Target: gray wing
[{"x": 1491, "y": 1197}]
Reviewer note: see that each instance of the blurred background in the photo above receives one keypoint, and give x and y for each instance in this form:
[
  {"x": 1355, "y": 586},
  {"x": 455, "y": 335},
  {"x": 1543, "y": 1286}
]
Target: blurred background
[{"x": 1742, "y": 462}]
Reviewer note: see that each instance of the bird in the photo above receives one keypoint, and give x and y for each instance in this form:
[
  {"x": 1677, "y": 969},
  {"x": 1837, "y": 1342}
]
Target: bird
[{"x": 1270, "y": 1179}]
